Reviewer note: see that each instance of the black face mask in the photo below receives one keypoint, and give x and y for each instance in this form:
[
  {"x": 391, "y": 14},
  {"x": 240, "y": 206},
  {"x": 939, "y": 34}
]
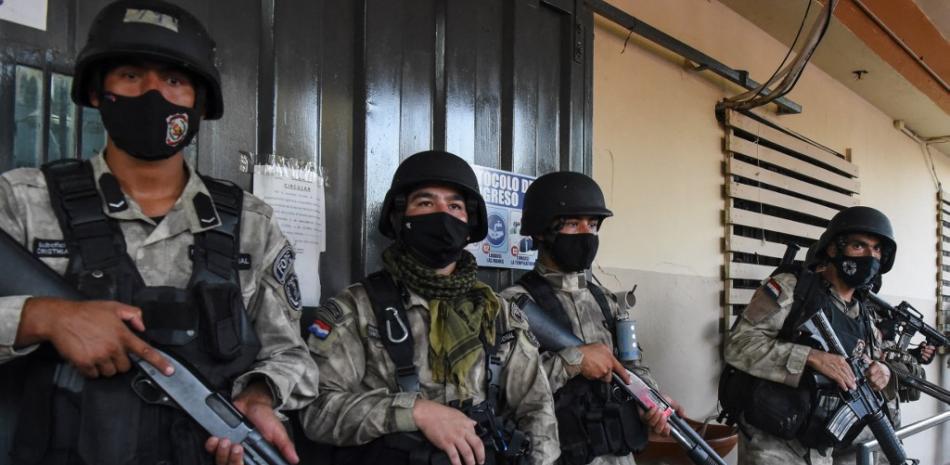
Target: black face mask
[
  {"x": 435, "y": 239},
  {"x": 856, "y": 271},
  {"x": 148, "y": 127},
  {"x": 574, "y": 252}
]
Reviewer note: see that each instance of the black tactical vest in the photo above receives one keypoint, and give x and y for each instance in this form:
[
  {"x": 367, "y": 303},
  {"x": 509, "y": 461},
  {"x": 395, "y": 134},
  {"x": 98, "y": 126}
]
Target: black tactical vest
[
  {"x": 67, "y": 419},
  {"x": 591, "y": 421}
]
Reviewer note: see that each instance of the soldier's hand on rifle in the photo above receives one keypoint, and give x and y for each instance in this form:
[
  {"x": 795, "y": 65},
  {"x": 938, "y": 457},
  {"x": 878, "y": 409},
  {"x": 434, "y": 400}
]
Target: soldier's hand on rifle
[
  {"x": 835, "y": 367},
  {"x": 877, "y": 375},
  {"x": 656, "y": 421},
  {"x": 924, "y": 353},
  {"x": 449, "y": 430},
  {"x": 94, "y": 336},
  {"x": 599, "y": 363},
  {"x": 257, "y": 404}
]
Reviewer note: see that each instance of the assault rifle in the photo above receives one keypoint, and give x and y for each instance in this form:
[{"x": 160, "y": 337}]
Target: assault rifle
[
  {"x": 861, "y": 405},
  {"x": 920, "y": 384},
  {"x": 553, "y": 337},
  {"x": 909, "y": 322},
  {"x": 212, "y": 411}
]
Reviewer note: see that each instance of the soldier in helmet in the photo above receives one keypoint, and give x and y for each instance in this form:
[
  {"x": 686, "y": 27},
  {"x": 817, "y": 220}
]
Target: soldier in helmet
[
  {"x": 175, "y": 260},
  {"x": 420, "y": 361},
  {"x": 773, "y": 364},
  {"x": 563, "y": 213}
]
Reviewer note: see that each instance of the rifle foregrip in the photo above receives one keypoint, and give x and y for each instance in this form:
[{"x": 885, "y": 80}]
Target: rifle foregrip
[
  {"x": 887, "y": 439},
  {"x": 260, "y": 451},
  {"x": 699, "y": 451}
]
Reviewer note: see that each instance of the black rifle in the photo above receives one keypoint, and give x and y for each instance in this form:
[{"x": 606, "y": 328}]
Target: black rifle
[
  {"x": 909, "y": 322},
  {"x": 861, "y": 405},
  {"x": 553, "y": 337},
  {"x": 920, "y": 384},
  {"x": 211, "y": 410}
]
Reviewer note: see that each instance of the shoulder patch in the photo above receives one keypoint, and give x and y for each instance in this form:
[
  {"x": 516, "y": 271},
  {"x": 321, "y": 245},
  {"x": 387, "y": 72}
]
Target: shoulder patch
[
  {"x": 49, "y": 248},
  {"x": 372, "y": 332},
  {"x": 292, "y": 292},
  {"x": 517, "y": 315},
  {"x": 283, "y": 263},
  {"x": 508, "y": 337},
  {"x": 330, "y": 312},
  {"x": 533, "y": 340},
  {"x": 320, "y": 329},
  {"x": 763, "y": 305},
  {"x": 773, "y": 288}
]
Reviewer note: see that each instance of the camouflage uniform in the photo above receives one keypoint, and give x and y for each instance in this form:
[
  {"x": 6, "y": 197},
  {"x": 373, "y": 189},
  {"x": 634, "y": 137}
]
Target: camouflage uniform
[
  {"x": 359, "y": 398},
  {"x": 753, "y": 346},
  {"x": 160, "y": 252},
  {"x": 587, "y": 323}
]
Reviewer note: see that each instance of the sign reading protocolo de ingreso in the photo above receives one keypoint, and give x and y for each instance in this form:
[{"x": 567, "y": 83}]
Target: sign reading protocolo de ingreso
[{"x": 504, "y": 197}]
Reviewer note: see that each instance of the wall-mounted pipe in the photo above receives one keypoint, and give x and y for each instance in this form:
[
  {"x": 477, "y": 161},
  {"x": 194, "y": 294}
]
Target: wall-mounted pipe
[{"x": 634, "y": 25}]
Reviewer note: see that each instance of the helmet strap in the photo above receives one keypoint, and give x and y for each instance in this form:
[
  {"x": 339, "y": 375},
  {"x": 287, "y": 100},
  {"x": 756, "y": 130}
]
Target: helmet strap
[{"x": 397, "y": 213}]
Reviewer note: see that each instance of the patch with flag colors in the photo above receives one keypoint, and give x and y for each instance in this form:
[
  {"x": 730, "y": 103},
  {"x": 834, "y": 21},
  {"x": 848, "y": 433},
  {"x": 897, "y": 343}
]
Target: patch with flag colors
[
  {"x": 773, "y": 288},
  {"x": 320, "y": 329}
]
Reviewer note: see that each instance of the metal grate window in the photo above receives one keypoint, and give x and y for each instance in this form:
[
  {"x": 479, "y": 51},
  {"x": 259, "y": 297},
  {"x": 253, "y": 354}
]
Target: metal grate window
[
  {"x": 943, "y": 262},
  {"x": 780, "y": 188}
]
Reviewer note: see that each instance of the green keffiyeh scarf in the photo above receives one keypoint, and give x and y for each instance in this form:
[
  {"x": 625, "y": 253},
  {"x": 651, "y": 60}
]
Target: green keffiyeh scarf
[{"x": 460, "y": 308}]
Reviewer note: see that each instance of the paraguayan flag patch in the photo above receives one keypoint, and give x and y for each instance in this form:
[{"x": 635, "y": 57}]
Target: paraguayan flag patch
[{"x": 773, "y": 288}]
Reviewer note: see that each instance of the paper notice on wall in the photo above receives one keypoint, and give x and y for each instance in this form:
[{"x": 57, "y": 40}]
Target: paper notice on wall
[
  {"x": 30, "y": 13},
  {"x": 504, "y": 247},
  {"x": 297, "y": 197}
]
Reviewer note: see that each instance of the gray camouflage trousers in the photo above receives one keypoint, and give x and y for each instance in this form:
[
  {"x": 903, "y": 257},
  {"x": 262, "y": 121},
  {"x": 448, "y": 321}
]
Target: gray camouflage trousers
[{"x": 761, "y": 448}]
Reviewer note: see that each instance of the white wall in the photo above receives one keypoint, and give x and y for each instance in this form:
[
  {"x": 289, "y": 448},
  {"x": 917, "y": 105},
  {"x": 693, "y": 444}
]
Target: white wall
[{"x": 658, "y": 156}]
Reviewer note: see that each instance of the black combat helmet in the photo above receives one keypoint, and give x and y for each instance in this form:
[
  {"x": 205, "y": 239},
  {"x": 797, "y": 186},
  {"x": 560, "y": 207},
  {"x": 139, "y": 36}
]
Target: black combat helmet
[
  {"x": 560, "y": 194},
  {"x": 150, "y": 30},
  {"x": 434, "y": 167},
  {"x": 857, "y": 220}
]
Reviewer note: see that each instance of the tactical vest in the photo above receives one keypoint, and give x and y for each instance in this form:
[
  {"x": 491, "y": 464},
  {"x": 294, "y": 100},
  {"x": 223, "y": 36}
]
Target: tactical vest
[
  {"x": 67, "y": 419},
  {"x": 795, "y": 412},
  {"x": 591, "y": 421},
  {"x": 504, "y": 443}
]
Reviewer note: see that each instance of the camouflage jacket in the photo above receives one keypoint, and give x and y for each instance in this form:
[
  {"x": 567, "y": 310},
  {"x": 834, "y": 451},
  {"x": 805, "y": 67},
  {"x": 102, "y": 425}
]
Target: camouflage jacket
[
  {"x": 160, "y": 252},
  {"x": 360, "y": 399}
]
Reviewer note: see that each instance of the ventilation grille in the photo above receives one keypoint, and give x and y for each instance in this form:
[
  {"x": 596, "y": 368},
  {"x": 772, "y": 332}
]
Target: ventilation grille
[{"x": 780, "y": 188}]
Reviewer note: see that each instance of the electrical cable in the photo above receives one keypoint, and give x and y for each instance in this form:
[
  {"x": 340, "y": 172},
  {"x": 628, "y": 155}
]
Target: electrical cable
[
  {"x": 791, "y": 48},
  {"x": 791, "y": 73},
  {"x": 820, "y": 38},
  {"x": 798, "y": 67}
]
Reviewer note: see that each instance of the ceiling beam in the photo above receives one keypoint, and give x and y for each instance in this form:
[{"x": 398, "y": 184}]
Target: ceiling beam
[{"x": 902, "y": 35}]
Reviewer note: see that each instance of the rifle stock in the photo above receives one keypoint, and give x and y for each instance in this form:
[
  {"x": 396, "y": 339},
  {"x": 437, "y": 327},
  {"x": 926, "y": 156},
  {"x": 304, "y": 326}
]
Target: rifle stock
[
  {"x": 213, "y": 412},
  {"x": 553, "y": 337}
]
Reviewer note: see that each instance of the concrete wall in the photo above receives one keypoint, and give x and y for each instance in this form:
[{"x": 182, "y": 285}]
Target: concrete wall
[{"x": 658, "y": 156}]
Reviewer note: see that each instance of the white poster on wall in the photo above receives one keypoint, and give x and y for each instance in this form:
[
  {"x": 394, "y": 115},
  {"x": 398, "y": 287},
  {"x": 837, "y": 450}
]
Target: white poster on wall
[
  {"x": 297, "y": 197},
  {"x": 30, "y": 13},
  {"x": 504, "y": 247}
]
